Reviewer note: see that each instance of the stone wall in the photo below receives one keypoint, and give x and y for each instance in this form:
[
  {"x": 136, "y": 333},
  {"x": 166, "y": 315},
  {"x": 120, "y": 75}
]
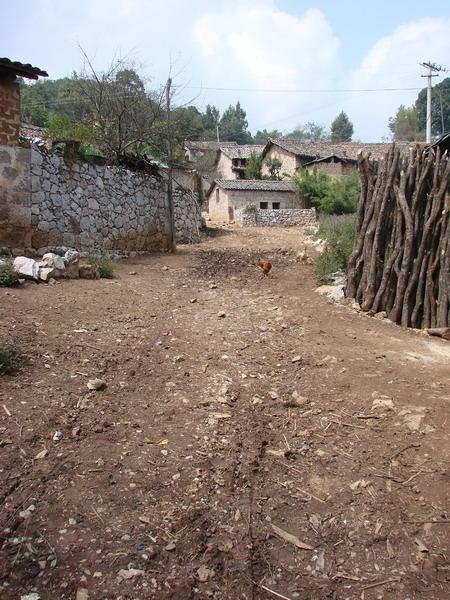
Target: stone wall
[
  {"x": 80, "y": 205},
  {"x": 15, "y": 197},
  {"x": 283, "y": 217},
  {"x": 10, "y": 112}
]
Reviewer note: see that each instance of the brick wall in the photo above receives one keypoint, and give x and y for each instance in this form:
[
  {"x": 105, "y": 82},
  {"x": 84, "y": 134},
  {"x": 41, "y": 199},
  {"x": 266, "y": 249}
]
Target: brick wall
[{"x": 9, "y": 112}]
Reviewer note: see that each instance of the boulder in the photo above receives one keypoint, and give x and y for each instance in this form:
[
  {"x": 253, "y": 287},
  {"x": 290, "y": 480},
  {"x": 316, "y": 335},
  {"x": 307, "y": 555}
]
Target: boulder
[
  {"x": 46, "y": 273},
  {"x": 72, "y": 260},
  {"x": 50, "y": 259},
  {"x": 89, "y": 272},
  {"x": 27, "y": 267},
  {"x": 71, "y": 256}
]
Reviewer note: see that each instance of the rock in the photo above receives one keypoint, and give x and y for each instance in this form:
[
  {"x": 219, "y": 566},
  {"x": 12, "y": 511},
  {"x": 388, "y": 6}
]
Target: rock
[
  {"x": 71, "y": 256},
  {"x": 46, "y": 273},
  {"x": 296, "y": 359},
  {"x": 32, "y": 596},
  {"x": 27, "y": 267},
  {"x": 383, "y": 403},
  {"x": 96, "y": 384},
  {"x": 380, "y": 315},
  {"x": 26, "y": 514},
  {"x": 203, "y": 573},
  {"x": 221, "y": 314},
  {"x": 125, "y": 574},
  {"x": 170, "y": 547},
  {"x": 332, "y": 292},
  {"x": 73, "y": 270},
  {"x": 57, "y": 436},
  {"x": 50, "y": 259},
  {"x": 89, "y": 272},
  {"x": 82, "y": 594}
]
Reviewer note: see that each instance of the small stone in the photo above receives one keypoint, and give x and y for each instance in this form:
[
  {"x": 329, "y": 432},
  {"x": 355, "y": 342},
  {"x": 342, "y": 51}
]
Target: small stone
[
  {"x": 221, "y": 314},
  {"x": 165, "y": 268},
  {"x": 76, "y": 430},
  {"x": 193, "y": 300},
  {"x": 96, "y": 384},
  {"x": 203, "y": 573},
  {"x": 72, "y": 521},
  {"x": 57, "y": 436},
  {"x": 124, "y": 574},
  {"x": 212, "y": 286},
  {"x": 26, "y": 514},
  {"x": 89, "y": 272},
  {"x": 297, "y": 358},
  {"x": 273, "y": 394},
  {"x": 171, "y": 546},
  {"x": 383, "y": 403}
]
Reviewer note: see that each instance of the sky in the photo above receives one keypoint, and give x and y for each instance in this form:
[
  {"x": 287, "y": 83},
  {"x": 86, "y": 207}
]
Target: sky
[{"x": 286, "y": 61}]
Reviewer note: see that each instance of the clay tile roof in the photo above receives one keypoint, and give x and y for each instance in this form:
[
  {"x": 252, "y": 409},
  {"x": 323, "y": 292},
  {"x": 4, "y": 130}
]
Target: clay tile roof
[
  {"x": 350, "y": 150},
  {"x": 243, "y": 151},
  {"x": 260, "y": 185},
  {"x": 206, "y": 144},
  {"x": 9, "y": 67}
]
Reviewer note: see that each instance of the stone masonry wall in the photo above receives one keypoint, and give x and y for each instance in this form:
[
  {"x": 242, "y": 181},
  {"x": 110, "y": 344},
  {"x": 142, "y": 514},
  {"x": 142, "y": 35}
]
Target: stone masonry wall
[
  {"x": 283, "y": 217},
  {"x": 10, "y": 112},
  {"x": 83, "y": 206}
]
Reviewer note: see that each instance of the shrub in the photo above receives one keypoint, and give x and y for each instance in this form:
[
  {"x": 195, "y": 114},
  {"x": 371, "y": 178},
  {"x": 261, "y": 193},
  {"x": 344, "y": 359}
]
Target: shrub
[
  {"x": 103, "y": 262},
  {"x": 10, "y": 357},
  {"x": 339, "y": 232},
  {"x": 329, "y": 195},
  {"x": 8, "y": 276}
]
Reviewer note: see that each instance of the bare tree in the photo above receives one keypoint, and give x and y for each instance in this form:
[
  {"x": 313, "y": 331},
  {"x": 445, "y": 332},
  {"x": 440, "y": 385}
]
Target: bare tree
[{"x": 123, "y": 115}]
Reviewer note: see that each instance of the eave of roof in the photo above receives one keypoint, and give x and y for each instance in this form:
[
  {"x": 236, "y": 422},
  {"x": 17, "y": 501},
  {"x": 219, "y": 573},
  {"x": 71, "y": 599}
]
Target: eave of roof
[
  {"x": 257, "y": 185},
  {"x": 26, "y": 70}
]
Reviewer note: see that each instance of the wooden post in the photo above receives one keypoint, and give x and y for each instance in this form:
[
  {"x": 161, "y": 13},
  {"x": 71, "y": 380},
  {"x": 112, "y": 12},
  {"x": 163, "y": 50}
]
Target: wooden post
[{"x": 172, "y": 244}]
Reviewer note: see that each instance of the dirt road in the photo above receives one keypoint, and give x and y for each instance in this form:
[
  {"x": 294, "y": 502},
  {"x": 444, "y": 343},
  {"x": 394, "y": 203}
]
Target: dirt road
[{"x": 253, "y": 441}]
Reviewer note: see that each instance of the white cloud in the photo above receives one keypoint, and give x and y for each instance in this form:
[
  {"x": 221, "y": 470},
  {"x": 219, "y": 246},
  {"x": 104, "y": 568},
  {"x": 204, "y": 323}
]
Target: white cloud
[
  {"x": 256, "y": 45},
  {"x": 393, "y": 62},
  {"x": 260, "y": 46}
]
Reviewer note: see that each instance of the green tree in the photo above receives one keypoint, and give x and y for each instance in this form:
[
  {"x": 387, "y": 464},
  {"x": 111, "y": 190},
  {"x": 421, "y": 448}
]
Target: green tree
[
  {"x": 274, "y": 165},
  {"x": 310, "y": 131},
  {"x": 262, "y": 137},
  {"x": 233, "y": 125},
  {"x": 405, "y": 125},
  {"x": 440, "y": 108},
  {"x": 330, "y": 195},
  {"x": 254, "y": 166},
  {"x": 341, "y": 128},
  {"x": 210, "y": 120}
]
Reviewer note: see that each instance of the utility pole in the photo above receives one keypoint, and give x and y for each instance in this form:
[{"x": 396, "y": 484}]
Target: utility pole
[
  {"x": 172, "y": 246},
  {"x": 433, "y": 71}
]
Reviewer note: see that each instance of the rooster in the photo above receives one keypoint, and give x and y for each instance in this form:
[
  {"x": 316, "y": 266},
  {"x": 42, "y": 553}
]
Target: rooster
[{"x": 265, "y": 266}]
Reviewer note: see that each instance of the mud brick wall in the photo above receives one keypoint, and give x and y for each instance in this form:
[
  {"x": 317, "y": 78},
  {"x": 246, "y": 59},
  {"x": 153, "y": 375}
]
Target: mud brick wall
[
  {"x": 79, "y": 205},
  {"x": 10, "y": 111},
  {"x": 283, "y": 217}
]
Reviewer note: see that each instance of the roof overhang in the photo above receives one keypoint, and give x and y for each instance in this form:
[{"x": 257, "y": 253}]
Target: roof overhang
[{"x": 9, "y": 68}]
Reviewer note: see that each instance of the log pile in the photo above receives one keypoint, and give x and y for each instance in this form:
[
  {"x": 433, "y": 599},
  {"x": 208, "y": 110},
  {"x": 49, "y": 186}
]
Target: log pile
[{"x": 401, "y": 258}]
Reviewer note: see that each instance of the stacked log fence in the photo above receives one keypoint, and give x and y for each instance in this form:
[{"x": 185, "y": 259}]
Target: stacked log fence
[{"x": 400, "y": 262}]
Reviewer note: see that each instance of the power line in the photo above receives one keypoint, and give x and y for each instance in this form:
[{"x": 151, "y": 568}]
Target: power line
[{"x": 300, "y": 91}]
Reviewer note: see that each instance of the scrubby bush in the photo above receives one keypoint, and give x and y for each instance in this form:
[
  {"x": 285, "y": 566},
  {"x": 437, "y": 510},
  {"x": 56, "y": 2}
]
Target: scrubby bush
[
  {"x": 8, "y": 276},
  {"x": 102, "y": 261},
  {"x": 10, "y": 357},
  {"x": 330, "y": 195},
  {"x": 339, "y": 232}
]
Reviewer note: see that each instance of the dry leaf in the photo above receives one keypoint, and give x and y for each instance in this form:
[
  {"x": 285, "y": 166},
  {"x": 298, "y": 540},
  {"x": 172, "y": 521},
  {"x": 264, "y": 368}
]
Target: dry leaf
[
  {"x": 292, "y": 539},
  {"x": 422, "y": 547}
]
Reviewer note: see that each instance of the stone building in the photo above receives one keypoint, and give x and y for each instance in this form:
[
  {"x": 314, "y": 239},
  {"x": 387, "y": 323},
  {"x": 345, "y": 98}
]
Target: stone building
[
  {"x": 10, "y": 97},
  {"x": 232, "y": 160},
  {"x": 225, "y": 197},
  {"x": 333, "y": 158}
]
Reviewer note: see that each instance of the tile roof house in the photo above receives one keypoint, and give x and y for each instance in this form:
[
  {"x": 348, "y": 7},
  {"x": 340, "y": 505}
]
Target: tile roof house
[
  {"x": 232, "y": 160},
  {"x": 10, "y": 97},
  {"x": 335, "y": 158},
  {"x": 225, "y": 197},
  {"x": 195, "y": 149}
]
